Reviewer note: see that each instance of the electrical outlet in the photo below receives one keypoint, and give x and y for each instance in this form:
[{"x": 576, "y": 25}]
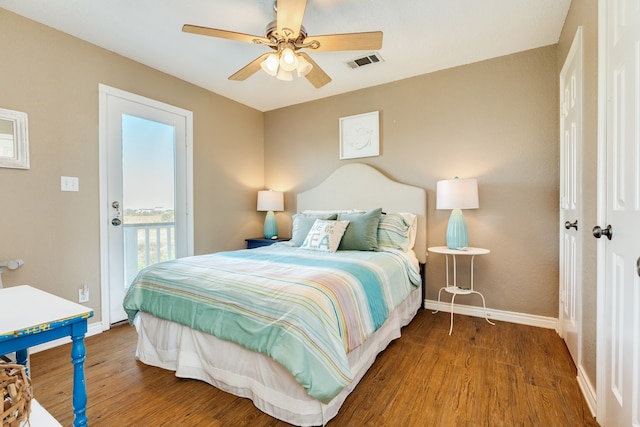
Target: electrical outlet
[{"x": 83, "y": 293}]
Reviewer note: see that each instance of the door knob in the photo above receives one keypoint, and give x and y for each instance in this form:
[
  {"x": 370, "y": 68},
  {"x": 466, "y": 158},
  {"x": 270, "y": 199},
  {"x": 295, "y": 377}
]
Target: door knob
[
  {"x": 599, "y": 232},
  {"x": 116, "y": 221},
  {"x": 573, "y": 224}
]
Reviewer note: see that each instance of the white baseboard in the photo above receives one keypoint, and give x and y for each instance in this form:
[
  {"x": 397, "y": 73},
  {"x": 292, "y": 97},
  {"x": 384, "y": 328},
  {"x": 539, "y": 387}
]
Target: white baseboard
[
  {"x": 92, "y": 329},
  {"x": 588, "y": 391},
  {"x": 492, "y": 314}
]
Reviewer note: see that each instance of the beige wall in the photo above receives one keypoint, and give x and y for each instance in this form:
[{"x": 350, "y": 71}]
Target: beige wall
[
  {"x": 496, "y": 121},
  {"x": 585, "y": 13},
  {"x": 54, "y": 78}
]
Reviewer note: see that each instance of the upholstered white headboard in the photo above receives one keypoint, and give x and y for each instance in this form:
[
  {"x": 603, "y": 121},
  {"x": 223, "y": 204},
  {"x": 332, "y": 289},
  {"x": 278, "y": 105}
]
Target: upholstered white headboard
[{"x": 359, "y": 186}]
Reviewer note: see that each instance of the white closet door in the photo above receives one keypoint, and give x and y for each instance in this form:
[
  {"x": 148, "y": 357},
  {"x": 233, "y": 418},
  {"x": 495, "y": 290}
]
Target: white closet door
[
  {"x": 572, "y": 227},
  {"x": 621, "y": 287}
]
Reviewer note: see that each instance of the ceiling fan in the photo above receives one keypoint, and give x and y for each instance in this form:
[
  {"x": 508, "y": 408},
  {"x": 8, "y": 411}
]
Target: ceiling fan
[{"x": 287, "y": 37}]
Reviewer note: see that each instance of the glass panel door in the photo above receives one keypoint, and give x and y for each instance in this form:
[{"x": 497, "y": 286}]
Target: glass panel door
[
  {"x": 146, "y": 190},
  {"x": 148, "y": 199}
]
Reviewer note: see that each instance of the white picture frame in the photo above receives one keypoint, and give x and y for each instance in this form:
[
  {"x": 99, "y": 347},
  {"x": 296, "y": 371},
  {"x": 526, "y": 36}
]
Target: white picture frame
[
  {"x": 14, "y": 139},
  {"x": 360, "y": 136}
]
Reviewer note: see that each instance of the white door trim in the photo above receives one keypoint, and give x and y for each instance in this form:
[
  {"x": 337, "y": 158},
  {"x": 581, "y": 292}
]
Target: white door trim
[
  {"x": 601, "y": 333},
  {"x": 104, "y": 93}
]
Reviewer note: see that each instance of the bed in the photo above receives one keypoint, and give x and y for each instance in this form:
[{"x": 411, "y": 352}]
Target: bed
[{"x": 295, "y": 366}]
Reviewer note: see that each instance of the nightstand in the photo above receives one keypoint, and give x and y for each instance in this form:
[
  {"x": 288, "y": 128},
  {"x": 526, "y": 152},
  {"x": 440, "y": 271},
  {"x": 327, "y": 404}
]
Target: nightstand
[
  {"x": 261, "y": 241},
  {"x": 453, "y": 288}
]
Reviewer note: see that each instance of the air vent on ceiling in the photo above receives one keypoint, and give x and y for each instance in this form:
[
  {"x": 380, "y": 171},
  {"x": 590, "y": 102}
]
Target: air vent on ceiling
[{"x": 370, "y": 58}]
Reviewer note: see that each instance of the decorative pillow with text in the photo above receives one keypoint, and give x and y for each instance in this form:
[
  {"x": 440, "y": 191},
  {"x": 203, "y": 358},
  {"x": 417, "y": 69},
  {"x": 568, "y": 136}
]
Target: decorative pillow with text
[
  {"x": 303, "y": 222},
  {"x": 325, "y": 235}
]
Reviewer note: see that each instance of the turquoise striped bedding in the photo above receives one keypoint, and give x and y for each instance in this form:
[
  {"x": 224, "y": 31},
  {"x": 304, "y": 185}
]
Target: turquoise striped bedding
[{"x": 304, "y": 309}]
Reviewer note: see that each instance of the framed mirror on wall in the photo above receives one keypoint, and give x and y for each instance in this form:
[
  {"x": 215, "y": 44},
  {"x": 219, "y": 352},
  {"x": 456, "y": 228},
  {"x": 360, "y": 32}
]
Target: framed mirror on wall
[{"x": 14, "y": 139}]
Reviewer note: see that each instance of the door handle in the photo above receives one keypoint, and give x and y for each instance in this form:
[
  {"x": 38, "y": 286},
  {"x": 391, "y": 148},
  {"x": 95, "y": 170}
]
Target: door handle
[
  {"x": 569, "y": 225},
  {"x": 116, "y": 221},
  {"x": 599, "y": 232}
]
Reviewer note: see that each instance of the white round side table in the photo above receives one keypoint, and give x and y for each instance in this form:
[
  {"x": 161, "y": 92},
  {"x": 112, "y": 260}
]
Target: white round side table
[{"x": 453, "y": 288}]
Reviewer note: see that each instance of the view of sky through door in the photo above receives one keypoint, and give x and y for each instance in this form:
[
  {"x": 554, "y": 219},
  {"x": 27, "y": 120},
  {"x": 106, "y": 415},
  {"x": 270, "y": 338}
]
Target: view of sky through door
[
  {"x": 148, "y": 193},
  {"x": 148, "y": 164}
]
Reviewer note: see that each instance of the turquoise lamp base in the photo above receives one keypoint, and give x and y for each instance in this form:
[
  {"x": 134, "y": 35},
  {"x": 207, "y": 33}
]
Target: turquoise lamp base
[
  {"x": 457, "y": 235},
  {"x": 270, "y": 226}
]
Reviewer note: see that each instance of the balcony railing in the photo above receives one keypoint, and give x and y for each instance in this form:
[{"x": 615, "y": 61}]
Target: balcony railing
[{"x": 146, "y": 244}]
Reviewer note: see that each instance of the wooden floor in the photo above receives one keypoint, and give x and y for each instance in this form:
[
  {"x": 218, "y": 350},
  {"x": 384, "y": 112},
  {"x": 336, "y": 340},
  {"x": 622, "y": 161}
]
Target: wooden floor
[{"x": 481, "y": 375}]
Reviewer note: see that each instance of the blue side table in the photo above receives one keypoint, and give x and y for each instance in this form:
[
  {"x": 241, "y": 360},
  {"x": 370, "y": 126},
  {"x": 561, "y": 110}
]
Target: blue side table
[
  {"x": 29, "y": 316},
  {"x": 258, "y": 242}
]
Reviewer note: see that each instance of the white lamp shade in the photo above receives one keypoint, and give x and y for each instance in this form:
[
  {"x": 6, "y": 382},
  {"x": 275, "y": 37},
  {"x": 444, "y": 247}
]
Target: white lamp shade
[
  {"x": 269, "y": 200},
  {"x": 457, "y": 194},
  {"x": 288, "y": 59},
  {"x": 304, "y": 67},
  {"x": 284, "y": 75},
  {"x": 270, "y": 65}
]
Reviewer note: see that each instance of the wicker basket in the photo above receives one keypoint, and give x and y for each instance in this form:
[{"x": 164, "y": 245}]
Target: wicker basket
[{"x": 15, "y": 393}]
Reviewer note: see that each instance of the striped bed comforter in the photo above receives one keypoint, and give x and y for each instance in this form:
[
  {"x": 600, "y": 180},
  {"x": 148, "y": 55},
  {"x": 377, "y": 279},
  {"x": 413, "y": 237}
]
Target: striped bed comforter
[{"x": 304, "y": 309}]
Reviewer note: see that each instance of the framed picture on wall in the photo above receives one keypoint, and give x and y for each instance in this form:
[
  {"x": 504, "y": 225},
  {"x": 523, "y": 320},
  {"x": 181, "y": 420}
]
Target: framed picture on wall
[
  {"x": 14, "y": 139},
  {"x": 360, "y": 136}
]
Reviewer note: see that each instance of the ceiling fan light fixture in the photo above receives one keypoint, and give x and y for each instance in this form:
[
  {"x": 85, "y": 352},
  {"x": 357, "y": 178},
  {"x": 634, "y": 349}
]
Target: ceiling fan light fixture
[
  {"x": 286, "y": 36},
  {"x": 284, "y": 75},
  {"x": 270, "y": 65},
  {"x": 304, "y": 67},
  {"x": 288, "y": 59}
]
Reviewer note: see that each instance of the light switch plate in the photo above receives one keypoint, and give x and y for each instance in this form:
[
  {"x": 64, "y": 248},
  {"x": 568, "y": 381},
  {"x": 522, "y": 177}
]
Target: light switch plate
[{"x": 69, "y": 183}]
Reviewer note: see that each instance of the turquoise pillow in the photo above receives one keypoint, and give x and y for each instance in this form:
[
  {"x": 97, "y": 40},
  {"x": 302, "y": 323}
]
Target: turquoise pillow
[
  {"x": 302, "y": 223},
  {"x": 362, "y": 231}
]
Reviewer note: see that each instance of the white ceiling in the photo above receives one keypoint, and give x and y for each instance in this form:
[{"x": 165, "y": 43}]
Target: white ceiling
[{"x": 420, "y": 36}]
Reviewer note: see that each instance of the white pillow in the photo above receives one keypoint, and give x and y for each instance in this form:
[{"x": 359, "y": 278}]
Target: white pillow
[
  {"x": 412, "y": 220},
  {"x": 325, "y": 235}
]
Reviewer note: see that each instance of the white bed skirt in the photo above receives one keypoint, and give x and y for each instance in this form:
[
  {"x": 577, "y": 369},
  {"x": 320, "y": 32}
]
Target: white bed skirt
[{"x": 245, "y": 373}]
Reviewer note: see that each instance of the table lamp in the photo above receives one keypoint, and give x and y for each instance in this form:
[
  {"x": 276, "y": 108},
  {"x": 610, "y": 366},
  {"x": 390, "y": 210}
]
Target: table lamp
[
  {"x": 270, "y": 201},
  {"x": 457, "y": 194}
]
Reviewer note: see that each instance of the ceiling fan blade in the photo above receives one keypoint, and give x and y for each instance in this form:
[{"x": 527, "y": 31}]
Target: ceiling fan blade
[
  {"x": 223, "y": 34},
  {"x": 289, "y": 17},
  {"x": 352, "y": 41},
  {"x": 316, "y": 76},
  {"x": 249, "y": 69}
]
